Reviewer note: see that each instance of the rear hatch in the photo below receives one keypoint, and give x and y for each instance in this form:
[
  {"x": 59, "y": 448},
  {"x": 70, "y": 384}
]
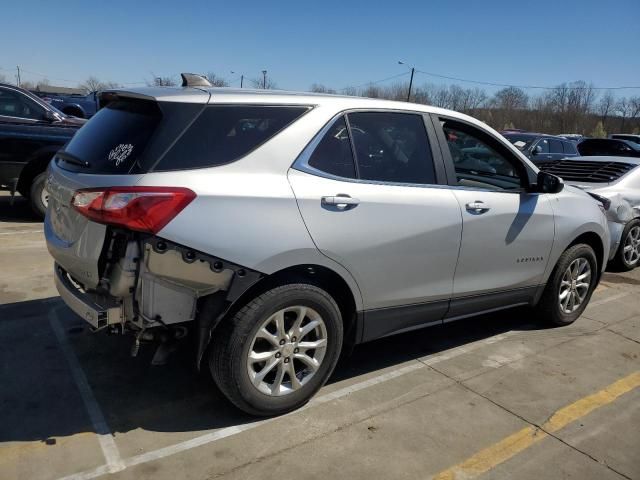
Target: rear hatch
[{"x": 115, "y": 148}]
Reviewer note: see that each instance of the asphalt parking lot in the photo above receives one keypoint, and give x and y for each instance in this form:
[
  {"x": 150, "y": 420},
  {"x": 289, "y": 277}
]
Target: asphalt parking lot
[{"x": 497, "y": 396}]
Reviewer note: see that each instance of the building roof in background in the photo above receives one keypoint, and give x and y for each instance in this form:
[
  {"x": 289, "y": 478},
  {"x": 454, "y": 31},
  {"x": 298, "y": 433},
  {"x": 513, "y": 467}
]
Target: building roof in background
[{"x": 59, "y": 90}]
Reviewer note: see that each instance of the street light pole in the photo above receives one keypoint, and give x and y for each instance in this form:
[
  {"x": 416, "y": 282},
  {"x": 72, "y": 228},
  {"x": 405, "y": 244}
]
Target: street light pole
[
  {"x": 241, "y": 80},
  {"x": 264, "y": 79}
]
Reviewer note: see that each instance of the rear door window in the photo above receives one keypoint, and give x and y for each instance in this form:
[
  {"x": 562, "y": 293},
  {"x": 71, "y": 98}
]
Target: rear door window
[
  {"x": 113, "y": 140},
  {"x": 569, "y": 147},
  {"x": 555, "y": 146},
  {"x": 224, "y": 133},
  {"x": 391, "y": 147},
  {"x": 542, "y": 146},
  {"x": 333, "y": 154}
]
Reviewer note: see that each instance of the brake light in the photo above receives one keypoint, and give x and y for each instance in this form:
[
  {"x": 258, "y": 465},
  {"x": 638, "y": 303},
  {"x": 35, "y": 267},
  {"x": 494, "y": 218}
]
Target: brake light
[{"x": 144, "y": 209}]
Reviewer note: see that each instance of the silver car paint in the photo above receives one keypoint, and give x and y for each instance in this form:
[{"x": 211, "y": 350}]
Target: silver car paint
[
  {"x": 246, "y": 212},
  {"x": 624, "y": 194}
]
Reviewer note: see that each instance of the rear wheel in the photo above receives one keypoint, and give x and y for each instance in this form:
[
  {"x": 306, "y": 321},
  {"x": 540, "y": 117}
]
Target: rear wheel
[
  {"x": 570, "y": 286},
  {"x": 278, "y": 350},
  {"x": 628, "y": 254},
  {"x": 38, "y": 195}
]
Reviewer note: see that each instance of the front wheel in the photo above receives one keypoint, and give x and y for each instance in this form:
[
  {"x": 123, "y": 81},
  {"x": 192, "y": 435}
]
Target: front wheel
[
  {"x": 278, "y": 350},
  {"x": 628, "y": 254},
  {"x": 570, "y": 286}
]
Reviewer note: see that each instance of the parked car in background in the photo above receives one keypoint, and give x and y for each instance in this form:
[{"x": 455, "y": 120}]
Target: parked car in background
[
  {"x": 574, "y": 137},
  {"x": 626, "y": 136},
  {"x": 618, "y": 180},
  {"x": 81, "y": 106},
  {"x": 540, "y": 148},
  {"x": 31, "y": 131},
  {"x": 278, "y": 227},
  {"x": 608, "y": 147}
]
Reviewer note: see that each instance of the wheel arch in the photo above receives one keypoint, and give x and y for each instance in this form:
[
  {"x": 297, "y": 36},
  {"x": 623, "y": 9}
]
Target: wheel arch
[
  {"x": 37, "y": 164},
  {"x": 214, "y": 311},
  {"x": 595, "y": 242},
  {"x": 74, "y": 110}
]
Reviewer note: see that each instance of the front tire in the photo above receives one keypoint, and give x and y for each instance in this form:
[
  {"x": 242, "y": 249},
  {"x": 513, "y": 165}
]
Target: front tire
[
  {"x": 278, "y": 350},
  {"x": 38, "y": 195},
  {"x": 628, "y": 254},
  {"x": 570, "y": 286}
]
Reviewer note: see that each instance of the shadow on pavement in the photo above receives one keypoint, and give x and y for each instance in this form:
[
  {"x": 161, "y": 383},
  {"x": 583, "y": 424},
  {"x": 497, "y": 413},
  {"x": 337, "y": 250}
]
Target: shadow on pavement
[
  {"x": 20, "y": 211},
  {"x": 39, "y": 398}
]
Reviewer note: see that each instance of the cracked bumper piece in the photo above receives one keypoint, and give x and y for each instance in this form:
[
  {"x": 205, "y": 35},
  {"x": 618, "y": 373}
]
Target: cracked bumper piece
[{"x": 98, "y": 310}]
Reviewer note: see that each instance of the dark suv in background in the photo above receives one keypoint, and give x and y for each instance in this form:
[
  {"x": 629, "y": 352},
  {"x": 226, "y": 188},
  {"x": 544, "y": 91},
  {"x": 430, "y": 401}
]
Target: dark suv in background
[
  {"x": 31, "y": 132},
  {"x": 540, "y": 148}
]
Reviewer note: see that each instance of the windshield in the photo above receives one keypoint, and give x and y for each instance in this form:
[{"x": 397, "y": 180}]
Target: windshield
[{"x": 521, "y": 142}]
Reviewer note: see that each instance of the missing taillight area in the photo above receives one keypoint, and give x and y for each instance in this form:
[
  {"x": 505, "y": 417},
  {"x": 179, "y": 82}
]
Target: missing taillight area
[{"x": 142, "y": 209}]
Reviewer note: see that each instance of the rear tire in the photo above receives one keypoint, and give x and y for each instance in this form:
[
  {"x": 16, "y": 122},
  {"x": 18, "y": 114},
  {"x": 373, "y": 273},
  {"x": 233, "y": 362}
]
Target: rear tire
[
  {"x": 569, "y": 287},
  {"x": 38, "y": 195},
  {"x": 630, "y": 239},
  {"x": 275, "y": 333}
]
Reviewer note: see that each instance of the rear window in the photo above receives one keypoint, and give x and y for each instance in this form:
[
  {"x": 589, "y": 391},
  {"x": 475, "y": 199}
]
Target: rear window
[
  {"x": 114, "y": 139},
  {"x": 224, "y": 133}
]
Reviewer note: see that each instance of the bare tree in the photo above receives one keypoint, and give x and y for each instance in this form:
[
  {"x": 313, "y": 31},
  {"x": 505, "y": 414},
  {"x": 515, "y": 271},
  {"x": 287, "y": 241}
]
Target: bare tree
[
  {"x": 624, "y": 108},
  {"x": 260, "y": 82},
  {"x": 511, "y": 98},
  {"x": 92, "y": 84},
  {"x": 319, "y": 88},
  {"x": 216, "y": 80},
  {"x": 605, "y": 107},
  {"x": 3, "y": 79},
  {"x": 163, "y": 82}
]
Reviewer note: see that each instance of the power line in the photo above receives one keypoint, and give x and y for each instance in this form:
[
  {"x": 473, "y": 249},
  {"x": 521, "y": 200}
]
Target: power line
[
  {"x": 374, "y": 82},
  {"x": 492, "y": 84}
]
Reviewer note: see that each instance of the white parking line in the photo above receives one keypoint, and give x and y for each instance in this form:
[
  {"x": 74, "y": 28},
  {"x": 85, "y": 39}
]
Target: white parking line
[
  {"x": 107, "y": 443},
  {"x": 617, "y": 296},
  {"x": 21, "y": 231},
  {"x": 321, "y": 399}
]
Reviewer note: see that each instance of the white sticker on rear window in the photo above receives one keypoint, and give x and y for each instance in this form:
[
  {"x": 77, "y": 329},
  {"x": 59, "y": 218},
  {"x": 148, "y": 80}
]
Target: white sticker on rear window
[{"x": 120, "y": 153}]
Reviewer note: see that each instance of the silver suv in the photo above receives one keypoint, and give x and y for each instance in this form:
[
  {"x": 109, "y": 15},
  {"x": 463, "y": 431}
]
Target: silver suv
[{"x": 278, "y": 228}]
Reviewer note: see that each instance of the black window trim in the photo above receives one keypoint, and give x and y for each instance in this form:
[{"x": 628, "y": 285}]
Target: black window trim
[
  {"x": 301, "y": 163},
  {"x": 530, "y": 176},
  {"x": 307, "y": 107}
]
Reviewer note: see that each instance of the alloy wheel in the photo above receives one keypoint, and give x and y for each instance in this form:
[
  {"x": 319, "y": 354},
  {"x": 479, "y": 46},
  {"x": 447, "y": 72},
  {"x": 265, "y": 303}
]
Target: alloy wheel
[
  {"x": 631, "y": 248},
  {"x": 574, "y": 285},
  {"x": 287, "y": 350}
]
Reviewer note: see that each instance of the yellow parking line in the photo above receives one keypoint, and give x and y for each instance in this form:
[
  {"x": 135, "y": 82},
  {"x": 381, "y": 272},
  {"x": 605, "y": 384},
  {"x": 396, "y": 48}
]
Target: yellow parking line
[{"x": 510, "y": 446}]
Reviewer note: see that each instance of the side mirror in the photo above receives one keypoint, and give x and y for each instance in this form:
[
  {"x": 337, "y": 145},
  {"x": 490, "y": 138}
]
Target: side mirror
[
  {"x": 548, "y": 183},
  {"x": 50, "y": 116}
]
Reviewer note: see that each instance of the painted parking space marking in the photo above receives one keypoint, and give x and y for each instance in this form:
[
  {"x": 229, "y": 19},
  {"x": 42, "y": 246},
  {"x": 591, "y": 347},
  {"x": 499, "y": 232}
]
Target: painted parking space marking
[
  {"x": 217, "y": 435},
  {"x": 492, "y": 456},
  {"x": 227, "y": 432},
  {"x": 105, "y": 438},
  {"x": 612, "y": 298},
  {"x": 19, "y": 232}
]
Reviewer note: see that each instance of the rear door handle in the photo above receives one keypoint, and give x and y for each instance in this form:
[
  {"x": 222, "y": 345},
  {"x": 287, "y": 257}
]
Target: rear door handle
[
  {"x": 342, "y": 202},
  {"x": 477, "y": 207}
]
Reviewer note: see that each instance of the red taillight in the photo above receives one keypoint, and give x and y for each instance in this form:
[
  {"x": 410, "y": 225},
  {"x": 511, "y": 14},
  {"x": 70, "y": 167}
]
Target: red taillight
[{"x": 145, "y": 209}]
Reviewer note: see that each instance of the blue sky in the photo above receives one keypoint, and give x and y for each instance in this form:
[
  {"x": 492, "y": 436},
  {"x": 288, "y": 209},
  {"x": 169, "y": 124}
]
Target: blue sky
[{"x": 334, "y": 43}]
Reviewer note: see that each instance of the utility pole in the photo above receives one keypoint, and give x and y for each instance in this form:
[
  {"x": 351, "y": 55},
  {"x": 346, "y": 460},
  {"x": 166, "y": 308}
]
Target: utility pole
[
  {"x": 18, "y": 68},
  {"x": 413, "y": 70},
  {"x": 410, "y": 84},
  {"x": 241, "y": 80},
  {"x": 264, "y": 79}
]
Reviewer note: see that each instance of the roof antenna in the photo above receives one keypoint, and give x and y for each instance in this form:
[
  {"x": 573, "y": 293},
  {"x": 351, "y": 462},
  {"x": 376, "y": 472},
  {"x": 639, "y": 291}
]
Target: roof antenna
[{"x": 194, "y": 80}]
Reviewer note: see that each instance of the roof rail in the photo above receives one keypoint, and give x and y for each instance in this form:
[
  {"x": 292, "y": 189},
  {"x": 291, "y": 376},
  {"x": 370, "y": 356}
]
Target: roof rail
[{"x": 194, "y": 80}]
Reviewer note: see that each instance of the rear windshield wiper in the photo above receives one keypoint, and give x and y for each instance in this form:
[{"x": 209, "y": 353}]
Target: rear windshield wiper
[{"x": 72, "y": 159}]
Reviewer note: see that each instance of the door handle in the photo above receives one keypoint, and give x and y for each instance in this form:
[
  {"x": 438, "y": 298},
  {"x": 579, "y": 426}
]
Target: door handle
[
  {"x": 477, "y": 207},
  {"x": 341, "y": 201}
]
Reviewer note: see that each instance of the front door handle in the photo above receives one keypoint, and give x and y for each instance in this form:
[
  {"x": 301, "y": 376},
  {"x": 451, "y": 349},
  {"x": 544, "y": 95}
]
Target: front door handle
[
  {"x": 341, "y": 201},
  {"x": 477, "y": 207}
]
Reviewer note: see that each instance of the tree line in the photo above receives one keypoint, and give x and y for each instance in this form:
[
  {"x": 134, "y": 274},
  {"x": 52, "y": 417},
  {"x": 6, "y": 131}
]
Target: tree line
[{"x": 575, "y": 107}]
